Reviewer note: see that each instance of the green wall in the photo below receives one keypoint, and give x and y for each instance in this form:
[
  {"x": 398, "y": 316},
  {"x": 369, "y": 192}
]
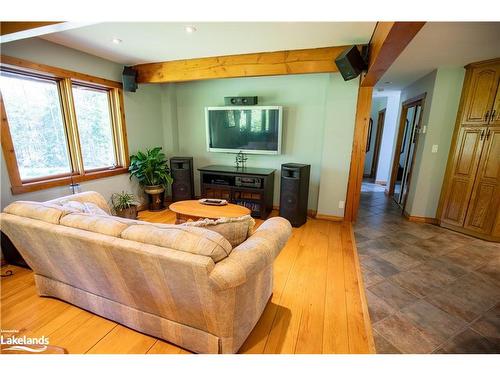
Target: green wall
[
  {"x": 312, "y": 103},
  {"x": 318, "y": 120},
  {"x": 443, "y": 87},
  {"x": 142, "y": 112}
]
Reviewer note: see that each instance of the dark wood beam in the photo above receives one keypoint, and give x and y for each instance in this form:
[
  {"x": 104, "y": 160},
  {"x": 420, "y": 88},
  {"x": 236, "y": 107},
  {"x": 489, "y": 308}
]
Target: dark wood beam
[{"x": 388, "y": 41}]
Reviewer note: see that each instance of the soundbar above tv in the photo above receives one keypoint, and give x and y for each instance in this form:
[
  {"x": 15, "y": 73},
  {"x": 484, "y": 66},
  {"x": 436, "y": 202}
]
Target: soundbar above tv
[{"x": 250, "y": 129}]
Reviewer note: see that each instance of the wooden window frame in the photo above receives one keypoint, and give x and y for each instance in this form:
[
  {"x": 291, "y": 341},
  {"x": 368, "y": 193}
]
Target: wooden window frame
[{"x": 65, "y": 79}]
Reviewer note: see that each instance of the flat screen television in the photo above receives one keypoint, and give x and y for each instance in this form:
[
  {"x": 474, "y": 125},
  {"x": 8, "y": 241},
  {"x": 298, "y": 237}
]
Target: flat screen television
[{"x": 250, "y": 129}]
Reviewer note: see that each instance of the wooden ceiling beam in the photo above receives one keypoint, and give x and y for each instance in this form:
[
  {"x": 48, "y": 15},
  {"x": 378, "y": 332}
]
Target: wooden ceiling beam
[
  {"x": 314, "y": 60},
  {"x": 11, "y": 31},
  {"x": 388, "y": 41}
]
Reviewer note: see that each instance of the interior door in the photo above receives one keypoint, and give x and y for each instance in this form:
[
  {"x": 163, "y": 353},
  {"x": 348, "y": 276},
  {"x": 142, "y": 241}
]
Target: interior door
[
  {"x": 406, "y": 153},
  {"x": 465, "y": 161},
  {"x": 411, "y": 155},
  {"x": 482, "y": 91},
  {"x": 378, "y": 141},
  {"x": 484, "y": 204}
]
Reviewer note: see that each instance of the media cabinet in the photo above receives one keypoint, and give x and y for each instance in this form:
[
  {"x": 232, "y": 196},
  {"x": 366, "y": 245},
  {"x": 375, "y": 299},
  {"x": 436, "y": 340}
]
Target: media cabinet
[{"x": 249, "y": 187}]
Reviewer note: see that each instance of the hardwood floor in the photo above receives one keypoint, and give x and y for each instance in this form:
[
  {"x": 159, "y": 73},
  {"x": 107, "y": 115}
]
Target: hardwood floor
[{"x": 318, "y": 303}]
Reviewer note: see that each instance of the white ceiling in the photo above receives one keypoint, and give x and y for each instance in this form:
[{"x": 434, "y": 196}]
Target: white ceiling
[
  {"x": 443, "y": 44},
  {"x": 144, "y": 42}
]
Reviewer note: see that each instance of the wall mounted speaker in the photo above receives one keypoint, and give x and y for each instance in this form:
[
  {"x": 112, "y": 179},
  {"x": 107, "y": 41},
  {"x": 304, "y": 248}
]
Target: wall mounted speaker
[
  {"x": 182, "y": 172},
  {"x": 129, "y": 79},
  {"x": 350, "y": 63},
  {"x": 294, "y": 192},
  {"x": 241, "y": 100}
]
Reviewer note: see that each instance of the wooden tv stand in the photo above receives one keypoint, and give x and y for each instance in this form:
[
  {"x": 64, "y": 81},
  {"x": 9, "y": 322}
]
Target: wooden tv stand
[{"x": 249, "y": 187}]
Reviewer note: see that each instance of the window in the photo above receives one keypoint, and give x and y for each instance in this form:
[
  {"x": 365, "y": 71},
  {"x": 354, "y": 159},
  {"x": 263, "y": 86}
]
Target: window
[
  {"x": 36, "y": 126},
  {"x": 59, "y": 126},
  {"x": 94, "y": 127}
]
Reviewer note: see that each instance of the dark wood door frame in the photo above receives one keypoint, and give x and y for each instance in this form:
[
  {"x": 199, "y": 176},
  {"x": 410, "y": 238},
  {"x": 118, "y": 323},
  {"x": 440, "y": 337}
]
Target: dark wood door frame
[
  {"x": 417, "y": 100},
  {"x": 378, "y": 141}
]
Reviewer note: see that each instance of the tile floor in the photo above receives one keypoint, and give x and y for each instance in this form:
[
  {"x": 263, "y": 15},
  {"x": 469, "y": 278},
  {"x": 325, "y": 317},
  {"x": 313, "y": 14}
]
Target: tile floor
[{"x": 429, "y": 290}]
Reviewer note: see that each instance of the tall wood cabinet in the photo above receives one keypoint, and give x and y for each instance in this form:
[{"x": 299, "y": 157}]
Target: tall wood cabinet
[{"x": 470, "y": 198}]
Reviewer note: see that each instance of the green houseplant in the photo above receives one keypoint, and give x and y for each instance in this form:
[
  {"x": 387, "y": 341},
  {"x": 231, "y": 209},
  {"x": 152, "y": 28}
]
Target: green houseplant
[
  {"x": 124, "y": 204},
  {"x": 152, "y": 171}
]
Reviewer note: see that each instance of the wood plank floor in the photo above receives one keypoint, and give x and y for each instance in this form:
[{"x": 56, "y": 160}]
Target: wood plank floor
[{"x": 318, "y": 304}]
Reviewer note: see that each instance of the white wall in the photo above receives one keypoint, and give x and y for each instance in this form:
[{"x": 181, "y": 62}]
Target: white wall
[
  {"x": 142, "y": 112},
  {"x": 388, "y": 138}
]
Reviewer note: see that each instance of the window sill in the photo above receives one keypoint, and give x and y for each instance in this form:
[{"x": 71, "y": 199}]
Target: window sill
[{"x": 66, "y": 180}]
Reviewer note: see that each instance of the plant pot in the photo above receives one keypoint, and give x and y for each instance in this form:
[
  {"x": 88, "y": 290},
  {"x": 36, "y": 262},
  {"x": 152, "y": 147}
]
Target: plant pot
[
  {"x": 128, "y": 213},
  {"x": 156, "y": 195}
]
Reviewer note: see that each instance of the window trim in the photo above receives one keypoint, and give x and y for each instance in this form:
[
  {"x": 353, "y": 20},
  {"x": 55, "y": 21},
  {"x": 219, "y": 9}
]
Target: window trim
[{"x": 65, "y": 79}]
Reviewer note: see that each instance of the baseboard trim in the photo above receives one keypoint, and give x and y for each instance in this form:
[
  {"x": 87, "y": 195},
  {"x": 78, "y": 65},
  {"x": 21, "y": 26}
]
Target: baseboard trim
[
  {"x": 421, "y": 219},
  {"x": 329, "y": 217}
]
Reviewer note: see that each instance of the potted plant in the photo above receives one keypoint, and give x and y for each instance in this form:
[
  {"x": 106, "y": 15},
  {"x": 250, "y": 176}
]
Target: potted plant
[
  {"x": 125, "y": 205},
  {"x": 152, "y": 172}
]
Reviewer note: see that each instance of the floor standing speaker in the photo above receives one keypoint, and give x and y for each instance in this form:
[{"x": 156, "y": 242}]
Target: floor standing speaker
[
  {"x": 183, "y": 175},
  {"x": 294, "y": 192}
]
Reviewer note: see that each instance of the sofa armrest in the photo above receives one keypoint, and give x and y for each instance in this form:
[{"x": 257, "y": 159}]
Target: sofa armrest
[{"x": 253, "y": 255}]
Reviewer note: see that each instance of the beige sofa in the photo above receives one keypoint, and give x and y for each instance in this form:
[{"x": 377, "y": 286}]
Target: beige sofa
[{"x": 185, "y": 285}]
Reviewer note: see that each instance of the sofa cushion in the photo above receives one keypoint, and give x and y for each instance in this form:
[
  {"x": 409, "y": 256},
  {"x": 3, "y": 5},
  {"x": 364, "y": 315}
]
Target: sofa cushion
[
  {"x": 85, "y": 197},
  {"x": 235, "y": 230},
  {"x": 104, "y": 224},
  {"x": 50, "y": 213},
  {"x": 193, "y": 240},
  {"x": 71, "y": 207}
]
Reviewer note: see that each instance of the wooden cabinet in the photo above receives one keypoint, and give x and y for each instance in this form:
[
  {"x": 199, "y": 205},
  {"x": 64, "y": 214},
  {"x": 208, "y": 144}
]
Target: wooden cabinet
[
  {"x": 461, "y": 181},
  {"x": 484, "y": 204},
  {"x": 470, "y": 200},
  {"x": 480, "y": 95}
]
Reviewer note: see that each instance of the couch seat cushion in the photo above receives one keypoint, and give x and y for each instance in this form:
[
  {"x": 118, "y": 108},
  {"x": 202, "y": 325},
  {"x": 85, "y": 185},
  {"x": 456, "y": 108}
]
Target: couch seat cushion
[
  {"x": 50, "y": 213},
  {"x": 189, "y": 239},
  {"x": 235, "y": 230},
  {"x": 104, "y": 224}
]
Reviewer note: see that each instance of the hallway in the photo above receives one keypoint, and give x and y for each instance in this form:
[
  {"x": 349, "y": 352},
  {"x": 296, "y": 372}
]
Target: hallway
[{"x": 429, "y": 290}]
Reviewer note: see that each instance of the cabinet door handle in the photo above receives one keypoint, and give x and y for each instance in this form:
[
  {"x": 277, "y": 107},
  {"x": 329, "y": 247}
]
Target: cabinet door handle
[
  {"x": 493, "y": 113},
  {"x": 488, "y": 134},
  {"x": 482, "y": 135},
  {"x": 486, "y": 116}
]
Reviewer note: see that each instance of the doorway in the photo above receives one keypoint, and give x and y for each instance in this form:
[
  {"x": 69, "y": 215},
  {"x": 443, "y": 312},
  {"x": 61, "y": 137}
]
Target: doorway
[{"x": 406, "y": 146}]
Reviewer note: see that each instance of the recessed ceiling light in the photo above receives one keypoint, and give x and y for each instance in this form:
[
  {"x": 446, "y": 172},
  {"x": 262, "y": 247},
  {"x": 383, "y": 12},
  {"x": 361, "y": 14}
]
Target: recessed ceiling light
[
  {"x": 190, "y": 29},
  {"x": 116, "y": 40}
]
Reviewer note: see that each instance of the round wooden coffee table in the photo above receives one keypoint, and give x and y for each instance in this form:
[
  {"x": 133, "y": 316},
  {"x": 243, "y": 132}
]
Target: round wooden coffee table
[{"x": 194, "y": 210}]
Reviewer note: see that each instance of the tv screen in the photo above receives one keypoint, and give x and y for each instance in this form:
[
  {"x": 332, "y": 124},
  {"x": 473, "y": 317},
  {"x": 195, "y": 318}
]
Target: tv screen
[{"x": 255, "y": 129}]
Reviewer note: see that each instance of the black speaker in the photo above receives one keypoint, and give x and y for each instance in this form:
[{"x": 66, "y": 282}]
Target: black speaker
[
  {"x": 294, "y": 192},
  {"x": 350, "y": 63},
  {"x": 241, "y": 100},
  {"x": 129, "y": 79},
  {"x": 183, "y": 175}
]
